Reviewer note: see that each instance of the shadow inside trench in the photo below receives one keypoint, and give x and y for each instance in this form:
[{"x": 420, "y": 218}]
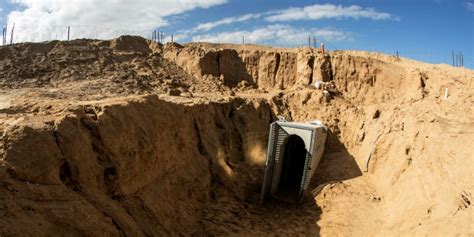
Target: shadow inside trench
[
  {"x": 247, "y": 217},
  {"x": 337, "y": 164}
]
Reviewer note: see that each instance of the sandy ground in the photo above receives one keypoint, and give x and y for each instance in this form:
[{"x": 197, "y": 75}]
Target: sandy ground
[{"x": 130, "y": 137}]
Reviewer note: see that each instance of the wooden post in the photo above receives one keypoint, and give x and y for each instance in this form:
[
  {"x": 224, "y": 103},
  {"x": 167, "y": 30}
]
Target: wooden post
[
  {"x": 453, "y": 58},
  {"x": 172, "y": 38},
  {"x": 322, "y": 47},
  {"x": 68, "y": 32},
  {"x": 243, "y": 39},
  {"x": 462, "y": 60},
  {"x": 6, "y": 30},
  {"x": 11, "y": 36},
  {"x": 458, "y": 59},
  {"x": 309, "y": 41},
  {"x": 161, "y": 35},
  {"x": 314, "y": 42}
]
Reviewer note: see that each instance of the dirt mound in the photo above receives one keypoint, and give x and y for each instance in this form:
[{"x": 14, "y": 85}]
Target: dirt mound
[
  {"x": 90, "y": 69},
  {"x": 131, "y": 44},
  {"x": 131, "y": 137}
]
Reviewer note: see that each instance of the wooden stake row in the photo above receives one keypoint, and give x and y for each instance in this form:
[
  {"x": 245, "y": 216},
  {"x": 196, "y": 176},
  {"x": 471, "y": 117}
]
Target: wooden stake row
[
  {"x": 5, "y": 31},
  {"x": 315, "y": 41},
  {"x": 4, "y": 34},
  {"x": 458, "y": 59},
  {"x": 158, "y": 36}
]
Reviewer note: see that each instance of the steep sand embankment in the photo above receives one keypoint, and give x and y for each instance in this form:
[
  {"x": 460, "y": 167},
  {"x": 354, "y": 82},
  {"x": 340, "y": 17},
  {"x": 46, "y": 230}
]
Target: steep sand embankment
[{"x": 130, "y": 137}]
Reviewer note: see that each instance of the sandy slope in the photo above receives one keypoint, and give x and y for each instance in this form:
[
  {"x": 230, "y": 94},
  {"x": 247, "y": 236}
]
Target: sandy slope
[{"x": 129, "y": 137}]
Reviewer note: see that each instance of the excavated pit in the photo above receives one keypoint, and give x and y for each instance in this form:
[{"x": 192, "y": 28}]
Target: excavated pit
[{"x": 131, "y": 138}]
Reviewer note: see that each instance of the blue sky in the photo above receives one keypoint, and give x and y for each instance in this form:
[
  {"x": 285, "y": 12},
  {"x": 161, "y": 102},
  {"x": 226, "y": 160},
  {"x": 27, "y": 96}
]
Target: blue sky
[{"x": 426, "y": 30}]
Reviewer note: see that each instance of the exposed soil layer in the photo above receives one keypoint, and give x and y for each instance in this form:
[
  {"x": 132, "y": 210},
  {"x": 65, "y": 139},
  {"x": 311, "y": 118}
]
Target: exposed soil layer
[{"x": 128, "y": 137}]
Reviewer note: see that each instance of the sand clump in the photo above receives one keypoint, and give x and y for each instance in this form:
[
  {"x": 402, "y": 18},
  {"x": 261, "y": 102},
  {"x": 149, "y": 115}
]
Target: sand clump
[{"x": 131, "y": 137}]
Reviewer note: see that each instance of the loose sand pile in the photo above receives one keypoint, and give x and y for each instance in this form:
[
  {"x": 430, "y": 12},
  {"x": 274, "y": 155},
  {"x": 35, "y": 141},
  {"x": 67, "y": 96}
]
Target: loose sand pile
[{"x": 130, "y": 137}]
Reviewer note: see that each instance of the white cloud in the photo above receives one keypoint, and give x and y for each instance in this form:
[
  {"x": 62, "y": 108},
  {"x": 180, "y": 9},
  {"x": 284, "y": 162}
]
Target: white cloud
[
  {"x": 313, "y": 12},
  {"x": 470, "y": 6},
  {"x": 177, "y": 37},
  {"x": 226, "y": 21},
  {"x": 284, "y": 35},
  {"x": 45, "y": 20},
  {"x": 328, "y": 11}
]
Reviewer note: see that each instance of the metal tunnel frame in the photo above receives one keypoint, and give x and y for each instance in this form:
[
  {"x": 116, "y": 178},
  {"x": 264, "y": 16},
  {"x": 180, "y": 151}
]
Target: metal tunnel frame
[{"x": 313, "y": 135}]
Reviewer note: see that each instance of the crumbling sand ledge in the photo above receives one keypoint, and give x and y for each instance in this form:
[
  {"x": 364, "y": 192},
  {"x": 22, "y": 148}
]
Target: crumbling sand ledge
[{"x": 95, "y": 140}]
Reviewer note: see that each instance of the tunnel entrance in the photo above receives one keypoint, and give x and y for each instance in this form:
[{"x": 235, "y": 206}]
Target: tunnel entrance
[
  {"x": 293, "y": 154},
  {"x": 293, "y": 163}
]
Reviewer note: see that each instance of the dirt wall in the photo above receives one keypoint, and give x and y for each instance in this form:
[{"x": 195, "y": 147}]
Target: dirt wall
[
  {"x": 130, "y": 168},
  {"x": 264, "y": 69}
]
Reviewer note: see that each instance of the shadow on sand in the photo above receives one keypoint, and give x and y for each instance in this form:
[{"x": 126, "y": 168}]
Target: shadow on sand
[
  {"x": 285, "y": 218},
  {"x": 337, "y": 164}
]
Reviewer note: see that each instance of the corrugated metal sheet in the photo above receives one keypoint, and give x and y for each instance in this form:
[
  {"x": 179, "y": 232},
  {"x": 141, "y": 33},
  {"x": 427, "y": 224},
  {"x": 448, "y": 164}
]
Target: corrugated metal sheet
[{"x": 314, "y": 137}]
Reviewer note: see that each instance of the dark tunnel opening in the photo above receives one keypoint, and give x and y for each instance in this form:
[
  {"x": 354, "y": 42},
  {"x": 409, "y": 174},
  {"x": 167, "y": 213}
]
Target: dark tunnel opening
[{"x": 294, "y": 157}]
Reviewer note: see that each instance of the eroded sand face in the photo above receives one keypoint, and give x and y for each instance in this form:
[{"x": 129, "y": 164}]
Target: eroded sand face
[{"x": 128, "y": 137}]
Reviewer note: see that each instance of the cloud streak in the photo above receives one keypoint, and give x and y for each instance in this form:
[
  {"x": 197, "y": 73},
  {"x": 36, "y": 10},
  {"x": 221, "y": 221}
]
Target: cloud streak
[
  {"x": 284, "y": 35},
  {"x": 328, "y": 11},
  {"x": 226, "y": 21},
  {"x": 312, "y": 12},
  {"x": 470, "y": 6}
]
